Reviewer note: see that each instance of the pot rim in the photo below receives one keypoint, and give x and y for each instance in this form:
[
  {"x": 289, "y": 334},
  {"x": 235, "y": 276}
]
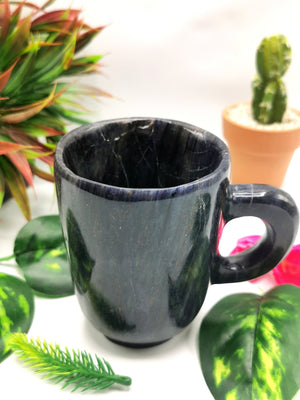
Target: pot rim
[{"x": 257, "y": 130}]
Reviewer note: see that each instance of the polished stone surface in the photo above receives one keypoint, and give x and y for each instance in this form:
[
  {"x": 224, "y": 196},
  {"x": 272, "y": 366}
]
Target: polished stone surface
[
  {"x": 141, "y": 204},
  {"x": 141, "y": 154}
]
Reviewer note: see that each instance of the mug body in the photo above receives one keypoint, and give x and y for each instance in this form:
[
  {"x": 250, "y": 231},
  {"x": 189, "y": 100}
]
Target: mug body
[{"x": 139, "y": 201}]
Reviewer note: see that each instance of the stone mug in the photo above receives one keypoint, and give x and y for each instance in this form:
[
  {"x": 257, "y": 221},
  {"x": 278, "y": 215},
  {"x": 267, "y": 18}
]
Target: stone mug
[{"x": 142, "y": 202}]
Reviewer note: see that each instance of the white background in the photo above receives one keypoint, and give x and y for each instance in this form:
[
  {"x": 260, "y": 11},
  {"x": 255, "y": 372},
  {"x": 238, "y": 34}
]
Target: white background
[{"x": 184, "y": 60}]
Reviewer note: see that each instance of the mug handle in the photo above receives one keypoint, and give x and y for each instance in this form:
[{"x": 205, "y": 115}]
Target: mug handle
[{"x": 279, "y": 213}]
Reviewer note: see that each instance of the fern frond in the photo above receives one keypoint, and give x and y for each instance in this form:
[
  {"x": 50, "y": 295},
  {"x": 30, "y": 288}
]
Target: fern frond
[{"x": 75, "y": 368}]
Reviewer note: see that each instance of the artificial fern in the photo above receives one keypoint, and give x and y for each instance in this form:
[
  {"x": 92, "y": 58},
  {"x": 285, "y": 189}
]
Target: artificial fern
[{"x": 76, "y": 368}]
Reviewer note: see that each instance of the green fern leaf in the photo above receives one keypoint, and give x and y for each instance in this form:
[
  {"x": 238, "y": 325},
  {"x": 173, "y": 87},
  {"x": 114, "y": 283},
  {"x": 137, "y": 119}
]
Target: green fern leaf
[{"x": 72, "y": 368}]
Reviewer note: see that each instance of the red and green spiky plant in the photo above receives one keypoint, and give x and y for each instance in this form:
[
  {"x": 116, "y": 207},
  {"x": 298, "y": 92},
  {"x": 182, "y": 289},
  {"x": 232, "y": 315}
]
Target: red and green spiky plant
[{"x": 38, "y": 55}]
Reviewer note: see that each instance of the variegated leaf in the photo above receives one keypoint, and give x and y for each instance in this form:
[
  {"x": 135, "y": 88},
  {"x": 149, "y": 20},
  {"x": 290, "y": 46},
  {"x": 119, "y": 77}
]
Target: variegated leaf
[
  {"x": 41, "y": 254},
  {"x": 249, "y": 346},
  {"x": 16, "y": 309}
]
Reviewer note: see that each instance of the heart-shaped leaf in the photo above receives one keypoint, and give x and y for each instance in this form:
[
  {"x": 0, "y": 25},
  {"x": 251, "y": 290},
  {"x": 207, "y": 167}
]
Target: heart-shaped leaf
[
  {"x": 16, "y": 309},
  {"x": 41, "y": 254},
  {"x": 249, "y": 346}
]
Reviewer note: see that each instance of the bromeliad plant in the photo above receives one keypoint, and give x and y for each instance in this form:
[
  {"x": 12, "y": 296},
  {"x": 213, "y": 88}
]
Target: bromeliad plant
[
  {"x": 273, "y": 58},
  {"x": 38, "y": 55}
]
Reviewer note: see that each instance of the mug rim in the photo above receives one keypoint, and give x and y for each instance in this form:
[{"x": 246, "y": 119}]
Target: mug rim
[{"x": 137, "y": 194}]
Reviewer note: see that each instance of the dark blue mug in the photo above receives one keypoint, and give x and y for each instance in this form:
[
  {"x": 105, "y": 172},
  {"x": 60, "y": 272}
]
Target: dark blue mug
[{"x": 141, "y": 203}]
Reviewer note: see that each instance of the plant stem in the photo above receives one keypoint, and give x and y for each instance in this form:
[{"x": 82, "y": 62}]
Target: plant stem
[{"x": 8, "y": 258}]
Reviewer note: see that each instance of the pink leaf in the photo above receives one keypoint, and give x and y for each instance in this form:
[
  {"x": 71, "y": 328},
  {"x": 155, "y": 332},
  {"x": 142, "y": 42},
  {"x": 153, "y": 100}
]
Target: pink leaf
[
  {"x": 286, "y": 272},
  {"x": 4, "y": 77},
  {"x": 5, "y": 16},
  {"x": 244, "y": 243},
  {"x": 57, "y": 16},
  {"x": 20, "y": 161},
  {"x": 9, "y": 147}
]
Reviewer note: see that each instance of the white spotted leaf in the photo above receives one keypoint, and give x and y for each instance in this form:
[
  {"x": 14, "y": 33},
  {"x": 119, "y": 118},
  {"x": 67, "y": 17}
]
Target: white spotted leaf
[{"x": 249, "y": 346}]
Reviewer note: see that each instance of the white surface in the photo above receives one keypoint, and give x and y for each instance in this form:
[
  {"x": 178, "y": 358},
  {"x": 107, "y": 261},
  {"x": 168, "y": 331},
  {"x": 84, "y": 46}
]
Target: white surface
[{"x": 184, "y": 60}]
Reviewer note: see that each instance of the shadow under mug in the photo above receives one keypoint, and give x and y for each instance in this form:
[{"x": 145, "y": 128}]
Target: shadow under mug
[{"x": 142, "y": 204}]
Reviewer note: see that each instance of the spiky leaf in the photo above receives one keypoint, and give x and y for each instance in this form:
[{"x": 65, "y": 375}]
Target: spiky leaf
[
  {"x": 16, "y": 310},
  {"x": 20, "y": 161},
  {"x": 15, "y": 42},
  {"x": 16, "y": 185},
  {"x": 21, "y": 72},
  {"x": 72, "y": 368},
  {"x": 249, "y": 346},
  {"x": 9, "y": 147},
  {"x": 4, "y": 77},
  {"x": 2, "y": 187},
  {"x": 23, "y": 113},
  {"x": 41, "y": 254}
]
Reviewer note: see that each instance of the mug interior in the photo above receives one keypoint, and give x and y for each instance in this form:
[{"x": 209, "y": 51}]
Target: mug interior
[{"x": 142, "y": 154}]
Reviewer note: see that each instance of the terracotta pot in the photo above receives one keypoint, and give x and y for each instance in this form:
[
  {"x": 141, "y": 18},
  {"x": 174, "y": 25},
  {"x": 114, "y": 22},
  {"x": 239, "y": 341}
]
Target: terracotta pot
[{"x": 257, "y": 155}]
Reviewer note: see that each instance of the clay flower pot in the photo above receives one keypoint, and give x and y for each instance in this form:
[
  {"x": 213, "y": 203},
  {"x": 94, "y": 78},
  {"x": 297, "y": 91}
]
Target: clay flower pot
[{"x": 260, "y": 154}]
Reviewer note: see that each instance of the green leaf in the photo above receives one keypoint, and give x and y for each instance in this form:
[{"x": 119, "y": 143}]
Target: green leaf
[
  {"x": 16, "y": 310},
  {"x": 37, "y": 130},
  {"x": 83, "y": 65},
  {"x": 85, "y": 38},
  {"x": 16, "y": 42},
  {"x": 47, "y": 4},
  {"x": 73, "y": 368},
  {"x": 53, "y": 63},
  {"x": 68, "y": 114},
  {"x": 70, "y": 50},
  {"x": 249, "y": 346},
  {"x": 44, "y": 118},
  {"x": 4, "y": 77},
  {"x": 25, "y": 112},
  {"x": 41, "y": 254},
  {"x": 21, "y": 72}
]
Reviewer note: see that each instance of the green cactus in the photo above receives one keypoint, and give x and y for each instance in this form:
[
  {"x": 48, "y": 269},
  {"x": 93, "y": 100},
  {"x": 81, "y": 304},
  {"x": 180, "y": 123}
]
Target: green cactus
[{"x": 273, "y": 58}]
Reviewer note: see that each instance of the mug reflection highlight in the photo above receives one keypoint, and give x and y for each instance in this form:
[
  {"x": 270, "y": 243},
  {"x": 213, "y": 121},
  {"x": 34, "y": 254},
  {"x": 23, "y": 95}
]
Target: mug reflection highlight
[{"x": 140, "y": 202}]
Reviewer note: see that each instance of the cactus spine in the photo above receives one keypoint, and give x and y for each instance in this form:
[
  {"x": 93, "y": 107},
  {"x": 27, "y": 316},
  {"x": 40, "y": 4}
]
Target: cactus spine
[{"x": 273, "y": 58}]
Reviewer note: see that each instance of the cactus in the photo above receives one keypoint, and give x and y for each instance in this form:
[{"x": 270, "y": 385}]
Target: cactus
[{"x": 273, "y": 58}]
